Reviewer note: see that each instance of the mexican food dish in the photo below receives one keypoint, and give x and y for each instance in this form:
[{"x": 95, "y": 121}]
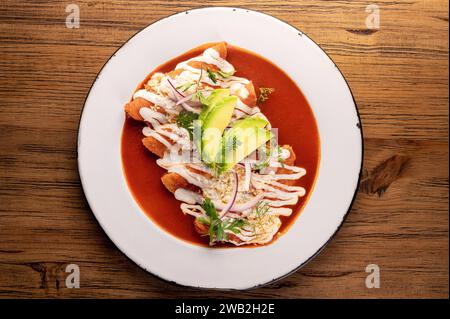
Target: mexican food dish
[{"x": 209, "y": 124}]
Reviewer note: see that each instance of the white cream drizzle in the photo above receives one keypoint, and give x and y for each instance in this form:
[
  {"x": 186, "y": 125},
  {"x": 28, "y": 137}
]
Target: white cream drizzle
[
  {"x": 188, "y": 197},
  {"x": 209, "y": 56},
  {"x": 163, "y": 101},
  {"x": 148, "y": 115}
]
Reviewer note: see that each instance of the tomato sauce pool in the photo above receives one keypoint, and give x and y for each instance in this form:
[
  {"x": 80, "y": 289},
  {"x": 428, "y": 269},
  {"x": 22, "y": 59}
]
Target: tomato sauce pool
[{"x": 287, "y": 110}]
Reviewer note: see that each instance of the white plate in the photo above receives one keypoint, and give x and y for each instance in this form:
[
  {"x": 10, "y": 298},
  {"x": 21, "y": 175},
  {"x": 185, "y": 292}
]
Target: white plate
[{"x": 162, "y": 254}]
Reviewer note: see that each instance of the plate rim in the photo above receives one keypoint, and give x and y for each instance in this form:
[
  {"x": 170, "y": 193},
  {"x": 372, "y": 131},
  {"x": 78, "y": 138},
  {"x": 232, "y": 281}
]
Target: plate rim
[{"x": 358, "y": 124}]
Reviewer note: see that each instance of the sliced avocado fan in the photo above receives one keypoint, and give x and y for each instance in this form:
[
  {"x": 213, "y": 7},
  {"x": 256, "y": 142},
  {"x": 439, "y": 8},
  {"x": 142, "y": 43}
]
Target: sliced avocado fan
[{"x": 214, "y": 118}]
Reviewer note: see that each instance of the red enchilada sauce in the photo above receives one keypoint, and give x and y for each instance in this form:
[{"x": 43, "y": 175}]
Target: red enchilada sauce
[{"x": 287, "y": 109}]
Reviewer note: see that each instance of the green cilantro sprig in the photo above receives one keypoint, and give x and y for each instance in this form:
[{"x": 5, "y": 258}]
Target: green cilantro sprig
[
  {"x": 186, "y": 120},
  {"x": 218, "y": 227},
  {"x": 212, "y": 75}
]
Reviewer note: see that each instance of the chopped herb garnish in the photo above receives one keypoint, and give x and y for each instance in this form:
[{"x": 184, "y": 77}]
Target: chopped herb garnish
[
  {"x": 261, "y": 217},
  {"x": 186, "y": 120},
  {"x": 210, "y": 210},
  {"x": 186, "y": 86},
  {"x": 212, "y": 75},
  {"x": 203, "y": 220},
  {"x": 218, "y": 227},
  {"x": 234, "y": 225},
  {"x": 265, "y": 162},
  {"x": 264, "y": 94},
  {"x": 261, "y": 209},
  {"x": 262, "y": 165}
]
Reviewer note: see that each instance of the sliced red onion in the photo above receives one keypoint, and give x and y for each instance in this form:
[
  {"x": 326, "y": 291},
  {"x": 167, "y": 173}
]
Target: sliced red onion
[
  {"x": 187, "y": 98},
  {"x": 234, "y": 192},
  {"x": 195, "y": 103},
  {"x": 175, "y": 89},
  {"x": 242, "y": 207},
  {"x": 181, "y": 99},
  {"x": 246, "y": 206}
]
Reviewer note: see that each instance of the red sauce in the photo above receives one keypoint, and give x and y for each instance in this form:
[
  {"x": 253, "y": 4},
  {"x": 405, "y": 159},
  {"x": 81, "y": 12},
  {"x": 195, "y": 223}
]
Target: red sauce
[{"x": 287, "y": 109}]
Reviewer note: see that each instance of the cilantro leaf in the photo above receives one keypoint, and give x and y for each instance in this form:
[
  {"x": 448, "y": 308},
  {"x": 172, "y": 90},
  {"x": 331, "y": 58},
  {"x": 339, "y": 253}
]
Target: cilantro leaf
[
  {"x": 210, "y": 210},
  {"x": 234, "y": 225},
  {"x": 203, "y": 220},
  {"x": 220, "y": 232},
  {"x": 186, "y": 119},
  {"x": 212, "y": 75},
  {"x": 217, "y": 227}
]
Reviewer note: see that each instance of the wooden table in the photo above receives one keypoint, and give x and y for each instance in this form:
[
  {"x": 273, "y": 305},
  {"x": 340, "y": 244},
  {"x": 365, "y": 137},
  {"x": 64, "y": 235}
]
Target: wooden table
[{"x": 398, "y": 74}]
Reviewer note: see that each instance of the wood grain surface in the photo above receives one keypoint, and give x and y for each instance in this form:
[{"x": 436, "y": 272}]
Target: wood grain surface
[{"x": 399, "y": 77}]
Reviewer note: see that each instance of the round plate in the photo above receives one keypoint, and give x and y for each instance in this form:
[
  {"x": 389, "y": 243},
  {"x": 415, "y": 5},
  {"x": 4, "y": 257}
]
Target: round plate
[{"x": 160, "y": 253}]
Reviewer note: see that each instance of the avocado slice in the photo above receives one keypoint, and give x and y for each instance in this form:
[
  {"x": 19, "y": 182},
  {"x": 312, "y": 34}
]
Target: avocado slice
[
  {"x": 241, "y": 140},
  {"x": 250, "y": 122},
  {"x": 213, "y": 124},
  {"x": 211, "y": 101}
]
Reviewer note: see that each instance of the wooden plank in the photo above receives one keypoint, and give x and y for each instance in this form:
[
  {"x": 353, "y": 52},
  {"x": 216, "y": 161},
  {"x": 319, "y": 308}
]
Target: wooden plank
[{"x": 398, "y": 74}]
